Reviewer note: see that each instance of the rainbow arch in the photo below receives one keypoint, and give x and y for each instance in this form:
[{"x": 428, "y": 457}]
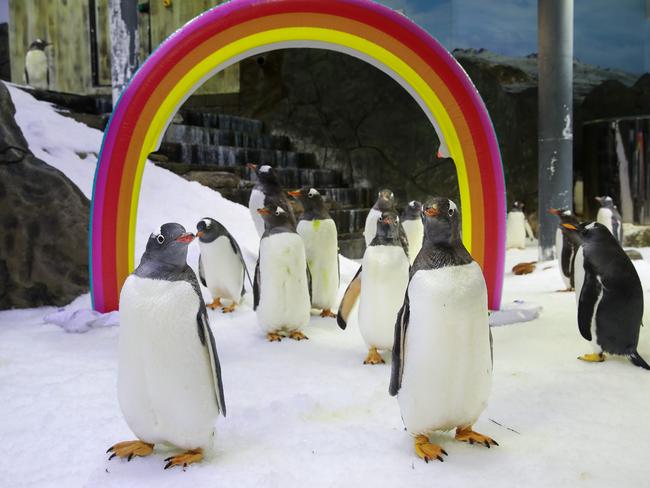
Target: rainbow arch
[{"x": 238, "y": 29}]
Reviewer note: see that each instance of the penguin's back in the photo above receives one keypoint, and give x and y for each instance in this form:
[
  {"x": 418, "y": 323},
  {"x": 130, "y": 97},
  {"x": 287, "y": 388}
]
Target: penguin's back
[
  {"x": 222, "y": 269},
  {"x": 414, "y": 230},
  {"x": 321, "y": 248}
]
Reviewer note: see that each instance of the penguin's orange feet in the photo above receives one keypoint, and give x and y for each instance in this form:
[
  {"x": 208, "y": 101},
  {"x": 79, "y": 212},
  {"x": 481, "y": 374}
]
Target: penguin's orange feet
[
  {"x": 466, "y": 434},
  {"x": 188, "y": 457},
  {"x": 373, "y": 357},
  {"x": 229, "y": 308},
  {"x": 128, "y": 449},
  {"x": 327, "y": 313},
  {"x": 428, "y": 451},
  {"x": 273, "y": 337},
  {"x": 216, "y": 303},
  {"x": 296, "y": 335},
  {"x": 593, "y": 357}
]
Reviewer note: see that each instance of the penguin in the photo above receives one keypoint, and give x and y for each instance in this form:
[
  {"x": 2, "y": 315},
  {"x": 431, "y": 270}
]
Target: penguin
[
  {"x": 442, "y": 351},
  {"x": 413, "y": 227},
  {"x": 221, "y": 264},
  {"x": 380, "y": 283},
  {"x": 37, "y": 73},
  {"x": 281, "y": 286},
  {"x": 609, "y": 216},
  {"x": 566, "y": 246},
  {"x": 610, "y": 303},
  {"x": 267, "y": 186},
  {"x": 319, "y": 235},
  {"x": 385, "y": 201},
  {"x": 517, "y": 227},
  {"x": 169, "y": 377}
]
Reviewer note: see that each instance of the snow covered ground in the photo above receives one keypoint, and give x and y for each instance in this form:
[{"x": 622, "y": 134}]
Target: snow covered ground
[{"x": 310, "y": 413}]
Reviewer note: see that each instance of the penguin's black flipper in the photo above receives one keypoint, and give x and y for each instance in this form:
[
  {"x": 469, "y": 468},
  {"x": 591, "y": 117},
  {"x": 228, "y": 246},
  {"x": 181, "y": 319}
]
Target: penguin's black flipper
[
  {"x": 349, "y": 299},
  {"x": 204, "y": 329},
  {"x": 237, "y": 250},
  {"x": 201, "y": 273},
  {"x": 397, "y": 368},
  {"x": 26, "y": 77},
  {"x": 309, "y": 282},
  {"x": 591, "y": 290},
  {"x": 403, "y": 239},
  {"x": 256, "y": 285},
  {"x": 637, "y": 360}
]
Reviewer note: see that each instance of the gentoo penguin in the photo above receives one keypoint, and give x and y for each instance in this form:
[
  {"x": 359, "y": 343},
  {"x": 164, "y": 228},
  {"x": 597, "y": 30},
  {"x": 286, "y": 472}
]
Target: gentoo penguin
[
  {"x": 609, "y": 216},
  {"x": 385, "y": 201},
  {"x": 281, "y": 288},
  {"x": 566, "y": 246},
  {"x": 610, "y": 304},
  {"x": 169, "y": 377},
  {"x": 221, "y": 264},
  {"x": 381, "y": 282},
  {"x": 442, "y": 355},
  {"x": 318, "y": 233},
  {"x": 267, "y": 186},
  {"x": 517, "y": 227},
  {"x": 413, "y": 227},
  {"x": 37, "y": 73}
]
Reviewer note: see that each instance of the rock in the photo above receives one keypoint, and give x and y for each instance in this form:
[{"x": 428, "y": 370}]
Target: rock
[
  {"x": 633, "y": 254},
  {"x": 636, "y": 235},
  {"x": 44, "y": 221},
  {"x": 217, "y": 180}
]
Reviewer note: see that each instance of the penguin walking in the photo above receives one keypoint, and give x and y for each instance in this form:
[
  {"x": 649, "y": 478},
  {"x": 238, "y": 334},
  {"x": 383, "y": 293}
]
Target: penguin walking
[
  {"x": 169, "y": 378},
  {"x": 442, "y": 355},
  {"x": 318, "y": 232},
  {"x": 610, "y": 303},
  {"x": 37, "y": 73},
  {"x": 566, "y": 246},
  {"x": 517, "y": 227},
  {"x": 413, "y": 227},
  {"x": 609, "y": 216},
  {"x": 221, "y": 264},
  {"x": 281, "y": 287},
  {"x": 381, "y": 282},
  {"x": 267, "y": 186}
]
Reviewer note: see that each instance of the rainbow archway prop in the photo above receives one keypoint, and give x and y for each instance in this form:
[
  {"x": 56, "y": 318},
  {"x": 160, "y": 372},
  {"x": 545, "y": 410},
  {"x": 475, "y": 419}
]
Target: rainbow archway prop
[{"x": 241, "y": 28}]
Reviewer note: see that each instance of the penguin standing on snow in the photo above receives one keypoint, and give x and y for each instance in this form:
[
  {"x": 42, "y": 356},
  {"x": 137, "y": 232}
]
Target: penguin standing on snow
[
  {"x": 413, "y": 227},
  {"x": 169, "y": 377},
  {"x": 267, "y": 186},
  {"x": 610, "y": 304},
  {"x": 281, "y": 287},
  {"x": 442, "y": 355},
  {"x": 221, "y": 264},
  {"x": 381, "y": 282},
  {"x": 609, "y": 216},
  {"x": 517, "y": 227},
  {"x": 566, "y": 246},
  {"x": 37, "y": 73},
  {"x": 318, "y": 233}
]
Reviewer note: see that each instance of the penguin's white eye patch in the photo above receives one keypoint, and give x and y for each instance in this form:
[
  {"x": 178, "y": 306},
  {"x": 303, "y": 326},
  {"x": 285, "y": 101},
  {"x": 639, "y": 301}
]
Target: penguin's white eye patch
[
  {"x": 207, "y": 223},
  {"x": 265, "y": 169},
  {"x": 451, "y": 211},
  {"x": 312, "y": 193},
  {"x": 591, "y": 226},
  {"x": 160, "y": 238},
  {"x": 279, "y": 211},
  {"x": 412, "y": 203}
]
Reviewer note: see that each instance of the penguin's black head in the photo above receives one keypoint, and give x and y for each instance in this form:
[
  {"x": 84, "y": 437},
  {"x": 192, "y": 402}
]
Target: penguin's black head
[
  {"x": 565, "y": 215},
  {"x": 441, "y": 221},
  {"x": 518, "y": 206},
  {"x": 413, "y": 211},
  {"x": 605, "y": 201},
  {"x": 385, "y": 200},
  {"x": 274, "y": 216},
  {"x": 207, "y": 230},
  {"x": 38, "y": 44},
  {"x": 591, "y": 232},
  {"x": 169, "y": 244},
  {"x": 264, "y": 173},
  {"x": 388, "y": 226},
  {"x": 311, "y": 199}
]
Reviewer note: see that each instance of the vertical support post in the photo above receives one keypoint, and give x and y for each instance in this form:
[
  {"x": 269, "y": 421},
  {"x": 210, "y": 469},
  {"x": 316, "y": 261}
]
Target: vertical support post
[
  {"x": 555, "y": 132},
  {"x": 124, "y": 43}
]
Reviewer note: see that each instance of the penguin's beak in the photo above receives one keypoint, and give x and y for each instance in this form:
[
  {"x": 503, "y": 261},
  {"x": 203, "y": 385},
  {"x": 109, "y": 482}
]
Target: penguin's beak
[
  {"x": 598, "y": 199},
  {"x": 386, "y": 220},
  {"x": 185, "y": 238},
  {"x": 263, "y": 211},
  {"x": 431, "y": 212},
  {"x": 569, "y": 226},
  {"x": 294, "y": 193},
  {"x": 554, "y": 211},
  {"x": 200, "y": 233},
  {"x": 251, "y": 166}
]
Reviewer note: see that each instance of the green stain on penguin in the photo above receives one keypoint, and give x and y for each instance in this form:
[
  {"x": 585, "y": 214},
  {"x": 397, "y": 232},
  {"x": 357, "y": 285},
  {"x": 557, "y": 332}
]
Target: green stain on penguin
[{"x": 315, "y": 224}]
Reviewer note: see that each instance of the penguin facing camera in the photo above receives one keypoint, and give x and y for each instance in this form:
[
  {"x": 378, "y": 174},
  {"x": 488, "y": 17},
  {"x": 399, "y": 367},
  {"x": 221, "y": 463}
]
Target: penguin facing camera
[
  {"x": 442, "y": 332},
  {"x": 380, "y": 284},
  {"x": 37, "y": 72},
  {"x": 169, "y": 377},
  {"x": 413, "y": 227},
  {"x": 318, "y": 232},
  {"x": 609, "y": 216},
  {"x": 221, "y": 265},
  {"x": 517, "y": 227},
  {"x": 281, "y": 287},
  {"x": 267, "y": 186},
  {"x": 610, "y": 303},
  {"x": 566, "y": 246},
  {"x": 385, "y": 201}
]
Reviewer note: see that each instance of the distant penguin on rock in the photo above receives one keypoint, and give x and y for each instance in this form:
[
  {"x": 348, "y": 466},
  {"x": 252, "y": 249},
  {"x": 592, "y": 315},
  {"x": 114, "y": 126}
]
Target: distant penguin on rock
[
  {"x": 281, "y": 287},
  {"x": 566, "y": 246},
  {"x": 380, "y": 284},
  {"x": 221, "y": 265},
  {"x": 169, "y": 378},
  {"x": 442, "y": 351},
  {"x": 609, "y": 216},
  {"x": 413, "y": 227},
  {"x": 37, "y": 73},
  {"x": 318, "y": 232},
  {"x": 610, "y": 303},
  {"x": 267, "y": 186},
  {"x": 517, "y": 227}
]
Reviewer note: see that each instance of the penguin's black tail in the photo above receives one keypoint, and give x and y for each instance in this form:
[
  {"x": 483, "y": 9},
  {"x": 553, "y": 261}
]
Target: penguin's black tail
[{"x": 637, "y": 360}]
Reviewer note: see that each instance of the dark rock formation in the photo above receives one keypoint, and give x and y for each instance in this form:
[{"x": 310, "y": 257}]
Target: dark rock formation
[{"x": 44, "y": 222}]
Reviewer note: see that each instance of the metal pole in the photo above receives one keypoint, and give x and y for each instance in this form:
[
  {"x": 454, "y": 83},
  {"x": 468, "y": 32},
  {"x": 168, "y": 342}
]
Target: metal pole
[
  {"x": 124, "y": 43},
  {"x": 555, "y": 136}
]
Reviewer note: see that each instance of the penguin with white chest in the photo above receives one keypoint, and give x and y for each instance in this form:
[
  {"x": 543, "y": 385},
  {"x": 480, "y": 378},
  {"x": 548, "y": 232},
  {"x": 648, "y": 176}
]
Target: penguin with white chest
[
  {"x": 517, "y": 227},
  {"x": 566, "y": 246},
  {"x": 380, "y": 283},
  {"x": 221, "y": 265},
  {"x": 267, "y": 186},
  {"x": 413, "y": 227},
  {"x": 609, "y": 216},
  {"x": 385, "y": 201},
  {"x": 318, "y": 232},
  {"x": 610, "y": 303},
  {"x": 37, "y": 72},
  {"x": 281, "y": 287},
  {"x": 169, "y": 378},
  {"x": 442, "y": 355}
]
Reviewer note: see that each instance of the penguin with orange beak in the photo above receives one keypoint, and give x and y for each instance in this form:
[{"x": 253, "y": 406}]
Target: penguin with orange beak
[
  {"x": 267, "y": 187},
  {"x": 566, "y": 246}
]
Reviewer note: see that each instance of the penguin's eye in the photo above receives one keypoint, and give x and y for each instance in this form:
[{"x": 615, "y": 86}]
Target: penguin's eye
[
  {"x": 160, "y": 238},
  {"x": 310, "y": 195},
  {"x": 451, "y": 212},
  {"x": 277, "y": 212}
]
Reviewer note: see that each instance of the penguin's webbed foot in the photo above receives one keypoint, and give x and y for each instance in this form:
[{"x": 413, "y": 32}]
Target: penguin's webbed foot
[
  {"x": 216, "y": 303},
  {"x": 373, "y": 357},
  {"x": 327, "y": 313},
  {"x": 428, "y": 451},
  {"x": 128, "y": 449},
  {"x": 188, "y": 457},
  {"x": 273, "y": 337},
  {"x": 296, "y": 335},
  {"x": 466, "y": 434},
  {"x": 593, "y": 357},
  {"x": 229, "y": 308}
]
